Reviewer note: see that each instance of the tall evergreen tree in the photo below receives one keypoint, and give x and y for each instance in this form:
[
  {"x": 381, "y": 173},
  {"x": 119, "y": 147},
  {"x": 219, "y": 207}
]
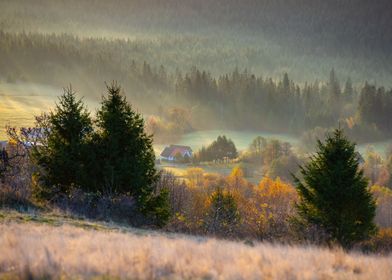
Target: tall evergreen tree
[
  {"x": 63, "y": 158},
  {"x": 348, "y": 90},
  {"x": 334, "y": 192},
  {"x": 125, "y": 154},
  {"x": 286, "y": 83},
  {"x": 334, "y": 92}
]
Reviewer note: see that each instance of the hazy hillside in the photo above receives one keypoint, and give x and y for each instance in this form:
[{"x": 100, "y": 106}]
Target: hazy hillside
[
  {"x": 45, "y": 248},
  {"x": 360, "y": 21},
  {"x": 214, "y": 59},
  {"x": 305, "y": 38}
]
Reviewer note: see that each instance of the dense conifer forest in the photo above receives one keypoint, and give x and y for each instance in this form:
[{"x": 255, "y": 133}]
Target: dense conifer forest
[{"x": 238, "y": 99}]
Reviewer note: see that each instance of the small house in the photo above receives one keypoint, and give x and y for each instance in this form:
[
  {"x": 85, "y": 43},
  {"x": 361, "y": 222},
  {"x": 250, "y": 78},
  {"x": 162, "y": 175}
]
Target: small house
[{"x": 176, "y": 153}]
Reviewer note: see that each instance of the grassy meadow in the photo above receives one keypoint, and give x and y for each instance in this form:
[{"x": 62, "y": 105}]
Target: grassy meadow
[{"x": 50, "y": 246}]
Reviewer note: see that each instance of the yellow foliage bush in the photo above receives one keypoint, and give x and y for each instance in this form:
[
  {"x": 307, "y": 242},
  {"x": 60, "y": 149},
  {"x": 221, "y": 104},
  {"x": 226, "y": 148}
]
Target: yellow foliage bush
[
  {"x": 263, "y": 210},
  {"x": 195, "y": 176},
  {"x": 274, "y": 201},
  {"x": 380, "y": 243},
  {"x": 276, "y": 189},
  {"x": 236, "y": 178}
]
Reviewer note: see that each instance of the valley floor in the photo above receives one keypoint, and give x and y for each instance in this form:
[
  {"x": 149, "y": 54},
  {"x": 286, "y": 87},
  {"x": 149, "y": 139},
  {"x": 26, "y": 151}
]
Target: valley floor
[{"x": 50, "y": 246}]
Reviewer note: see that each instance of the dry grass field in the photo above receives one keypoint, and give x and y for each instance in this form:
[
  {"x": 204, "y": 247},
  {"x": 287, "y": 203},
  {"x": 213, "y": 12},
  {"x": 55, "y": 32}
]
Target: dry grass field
[{"x": 53, "y": 248}]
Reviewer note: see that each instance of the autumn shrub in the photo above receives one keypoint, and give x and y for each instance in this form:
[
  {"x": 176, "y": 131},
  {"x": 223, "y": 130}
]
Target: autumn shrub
[
  {"x": 15, "y": 178},
  {"x": 265, "y": 210},
  {"x": 187, "y": 203},
  {"x": 212, "y": 180},
  {"x": 230, "y": 206},
  {"x": 14, "y": 196},
  {"x": 235, "y": 181},
  {"x": 195, "y": 176},
  {"x": 275, "y": 199},
  {"x": 380, "y": 243}
]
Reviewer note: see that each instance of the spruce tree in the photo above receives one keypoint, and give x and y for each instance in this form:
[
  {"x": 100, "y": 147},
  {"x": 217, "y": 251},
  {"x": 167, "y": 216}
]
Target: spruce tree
[
  {"x": 63, "y": 157},
  {"x": 348, "y": 90},
  {"x": 333, "y": 86},
  {"x": 223, "y": 215},
  {"x": 333, "y": 193},
  {"x": 125, "y": 153},
  {"x": 334, "y": 91}
]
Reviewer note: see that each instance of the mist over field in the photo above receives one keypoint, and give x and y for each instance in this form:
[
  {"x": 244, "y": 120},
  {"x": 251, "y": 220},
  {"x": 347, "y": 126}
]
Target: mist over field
[
  {"x": 150, "y": 46},
  {"x": 214, "y": 139}
]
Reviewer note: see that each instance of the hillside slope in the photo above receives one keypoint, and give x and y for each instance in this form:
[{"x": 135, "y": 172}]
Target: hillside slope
[
  {"x": 55, "y": 247},
  {"x": 305, "y": 38}
]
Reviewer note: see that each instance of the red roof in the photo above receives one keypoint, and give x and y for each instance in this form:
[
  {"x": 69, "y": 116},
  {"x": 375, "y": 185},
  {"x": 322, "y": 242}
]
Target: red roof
[{"x": 173, "y": 150}]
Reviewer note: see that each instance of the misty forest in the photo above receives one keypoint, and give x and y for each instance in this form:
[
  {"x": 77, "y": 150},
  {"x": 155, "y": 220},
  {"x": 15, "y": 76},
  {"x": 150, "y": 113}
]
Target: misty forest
[{"x": 221, "y": 130}]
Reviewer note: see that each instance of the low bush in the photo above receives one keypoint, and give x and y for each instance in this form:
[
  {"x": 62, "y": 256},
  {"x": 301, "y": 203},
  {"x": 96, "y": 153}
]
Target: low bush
[{"x": 380, "y": 243}]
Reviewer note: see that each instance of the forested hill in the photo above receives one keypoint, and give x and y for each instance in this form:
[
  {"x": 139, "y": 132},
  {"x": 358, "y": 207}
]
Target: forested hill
[
  {"x": 269, "y": 37},
  {"x": 235, "y": 64},
  {"x": 354, "y": 23}
]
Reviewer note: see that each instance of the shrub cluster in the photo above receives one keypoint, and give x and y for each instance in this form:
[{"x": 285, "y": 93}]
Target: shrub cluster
[{"x": 222, "y": 148}]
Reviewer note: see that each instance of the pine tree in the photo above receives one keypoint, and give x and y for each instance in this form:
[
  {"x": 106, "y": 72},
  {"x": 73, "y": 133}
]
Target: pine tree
[
  {"x": 334, "y": 91},
  {"x": 63, "y": 157},
  {"x": 334, "y": 193},
  {"x": 125, "y": 154},
  {"x": 224, "y": 215},
  {"x": 286, "y": 83},
  {"x": 333, "y": 86},
  {"x": 348, "y": 90}
]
